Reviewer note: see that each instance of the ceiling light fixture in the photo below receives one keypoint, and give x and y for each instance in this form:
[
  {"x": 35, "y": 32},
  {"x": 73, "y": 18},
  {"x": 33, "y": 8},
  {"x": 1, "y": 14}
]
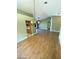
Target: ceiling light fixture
[{"x": 45, "y": 2}]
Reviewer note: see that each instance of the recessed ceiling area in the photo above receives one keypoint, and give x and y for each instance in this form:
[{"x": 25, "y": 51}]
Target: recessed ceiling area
[{"x": 43, "y": 8}]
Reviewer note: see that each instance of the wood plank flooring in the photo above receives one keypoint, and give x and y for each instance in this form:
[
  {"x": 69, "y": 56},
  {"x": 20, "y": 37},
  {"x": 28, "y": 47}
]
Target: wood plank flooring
[{"x": 44, "y": 45}]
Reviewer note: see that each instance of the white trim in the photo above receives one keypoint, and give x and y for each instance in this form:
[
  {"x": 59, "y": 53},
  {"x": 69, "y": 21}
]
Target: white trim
[
  {"x": 30, "y": 35},
  {"x": 21, "y": 39},
  {"x": 54, "y": 31},
  {"x": 26, "y": 37},
  {"x": 51, "y": 25},
  {"x": 34, "y": 34}
]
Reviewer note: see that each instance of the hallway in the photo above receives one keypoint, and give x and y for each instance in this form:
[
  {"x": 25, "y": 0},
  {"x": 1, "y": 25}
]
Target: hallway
[{"x": 44, "y": 45}]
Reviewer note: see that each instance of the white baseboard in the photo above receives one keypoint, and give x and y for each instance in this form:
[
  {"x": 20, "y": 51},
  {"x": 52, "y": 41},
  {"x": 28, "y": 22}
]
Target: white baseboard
[
  {"x": 54, "y": 31},
  {"x": 34, "y": 34},
  {"x": 26, "y": 37}
]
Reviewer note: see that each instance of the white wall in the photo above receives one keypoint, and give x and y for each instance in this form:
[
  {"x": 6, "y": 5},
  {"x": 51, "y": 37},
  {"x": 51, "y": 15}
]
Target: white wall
[
  {"x": 21, "y": 28},
  {"x": 44, "y": 23}
]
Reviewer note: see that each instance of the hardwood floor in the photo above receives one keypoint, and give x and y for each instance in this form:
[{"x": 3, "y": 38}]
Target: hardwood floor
[{"x": 44, "y": 45}]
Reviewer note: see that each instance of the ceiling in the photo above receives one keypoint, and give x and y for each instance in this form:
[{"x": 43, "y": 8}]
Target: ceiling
[{"x": 52, "y": 8}]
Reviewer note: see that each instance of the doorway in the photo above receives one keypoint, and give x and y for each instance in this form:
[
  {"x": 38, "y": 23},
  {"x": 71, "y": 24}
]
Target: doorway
[{"x": 28, "y": 27}]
